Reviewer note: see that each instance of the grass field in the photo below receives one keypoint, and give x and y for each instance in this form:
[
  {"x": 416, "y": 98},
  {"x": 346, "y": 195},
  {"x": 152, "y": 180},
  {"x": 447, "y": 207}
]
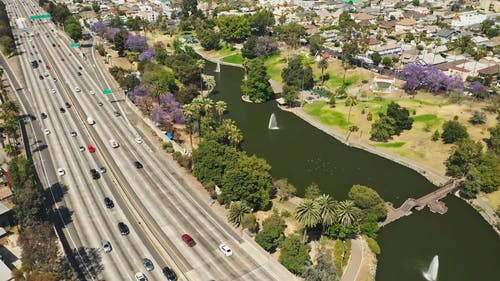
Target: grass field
[
  {"x": 392, "y": 144},
  {"x": 275, "y": 64},
  {"x": 225, "y": 51},
  {"x": 430, "y": 120},
  {"x": 236, "y": 58},
  {"x": 322, "y": 111}
]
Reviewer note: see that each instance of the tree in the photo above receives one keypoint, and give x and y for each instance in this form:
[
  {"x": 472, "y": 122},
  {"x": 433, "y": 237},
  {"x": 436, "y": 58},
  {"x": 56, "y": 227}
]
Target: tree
[
  {"x": 294, "y": 254},
  {"x": 272, "y": 231},
  {"x": 376, "y": 58},
  {"x": 74, "y": 31},
  {"x": 350, "y": 102},
  {"x": 96, "y": 7},
  {"x": 453, "y": 131},
  {"x": 435, "y": 135},
  {"x": 323, "y": 270},
  {"x": 382, "y": 129},
  {"x": 7, "y": 44},
  {"x": 261, "y": 22},
  {"x": 494, "y": 141},
  {"x": 247, "y": 180},
  {"x": 430, "y": 78},
  {"x": 160, "y": 80},
  {"x": 290, "y": 94},
  {"x": 478, "y": 117},
  {"x": 298, "y": 75},
  {"x": 250, "y": 222},
  {"x": 284, "y": 189},
  {"x": 308, "y": 214},
  {"x": 364, "y": 197},
  {"x": 233, "y": 28},
  {"x": 256, "y": 85},
  {"x": 119, "y": 41},
  {"x": 346, "y": 212},
  {"x": 237, "y": 211},
  {"x": 327, "y": 211},
  {"x": 211, "y": 160},
  {"x": 465, "y": 154},
  {"x": 387, "y": 61},
  {"x": 290, "y": 34},
  {"x": 209, "y": 39},
  {"x": 220, "y": 108},
  {"x": 189, "y": 7},
  {"x": 400, "y": 116},
  {"x": 316, "y": 44},
  {"x": 248, "y": 50},
  {"x": 323, "y": 64},
  {"x": 312, "y": 191},
  {"x": 136, "y": 43}
]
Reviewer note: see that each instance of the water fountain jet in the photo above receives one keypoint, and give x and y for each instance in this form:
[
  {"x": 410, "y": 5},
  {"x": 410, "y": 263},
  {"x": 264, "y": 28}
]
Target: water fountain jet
[
  {"x": 273, "y": 123},
  {"x": 432, "y": 273}
]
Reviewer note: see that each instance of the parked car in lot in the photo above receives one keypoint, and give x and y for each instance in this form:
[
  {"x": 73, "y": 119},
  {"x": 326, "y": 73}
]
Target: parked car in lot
[{"x": 188, "y": 240}]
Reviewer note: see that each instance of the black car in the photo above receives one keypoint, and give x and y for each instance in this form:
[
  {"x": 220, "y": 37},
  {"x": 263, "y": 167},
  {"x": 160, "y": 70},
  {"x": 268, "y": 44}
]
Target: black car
[
  {"x": 40, "y": 77},
  {"x": 62, "y": 110},
  {"x": 53, "y": 45},
  {"x": 79, "y": 67},
  {"x": 43, "y": 115},
  {"x": 109, "y": 203},
  {"x": 169, "y": 274},
  {"x": 138, "y": 164},
  {"x": 67, "y": 104},
  {"x": 123, "y": 228},
  {"x": 117, "y": 114},
  {"x": 79, "y": 73},
  {"x": 95, "y": 174}
]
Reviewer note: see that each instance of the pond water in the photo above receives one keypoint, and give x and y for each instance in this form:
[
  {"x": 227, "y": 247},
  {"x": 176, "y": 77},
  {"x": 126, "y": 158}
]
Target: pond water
[{"x": 468, "y": 248}]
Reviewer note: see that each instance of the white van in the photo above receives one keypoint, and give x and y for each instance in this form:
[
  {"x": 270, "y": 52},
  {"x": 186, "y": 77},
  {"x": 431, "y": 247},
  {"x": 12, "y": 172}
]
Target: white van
[{"x": 90, "y": 121}]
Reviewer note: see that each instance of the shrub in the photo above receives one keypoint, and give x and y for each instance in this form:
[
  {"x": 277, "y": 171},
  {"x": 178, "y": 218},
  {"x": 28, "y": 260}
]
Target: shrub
[
  {"x": 294, "y": 254},
  {"x": 250, "y": 222},
  {"x": 286, "y": 214},
  {"x": 478, "y": 117},
  {"x": 453, "y": 131},
  {"x": 435, "y": 136},
  {"x": 372, "y": 244}
]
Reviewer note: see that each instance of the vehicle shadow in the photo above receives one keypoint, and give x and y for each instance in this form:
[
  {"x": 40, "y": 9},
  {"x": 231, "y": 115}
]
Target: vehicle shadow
[{"x": 40, "y": 147}]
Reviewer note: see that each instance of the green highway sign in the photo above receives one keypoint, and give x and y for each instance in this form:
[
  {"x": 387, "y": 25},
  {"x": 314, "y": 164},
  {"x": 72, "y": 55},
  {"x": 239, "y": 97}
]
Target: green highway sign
[
  {"x": 107, "y": 91},
  {"x": 75, "y": 44},
  {"x": 43, "y": 16}
]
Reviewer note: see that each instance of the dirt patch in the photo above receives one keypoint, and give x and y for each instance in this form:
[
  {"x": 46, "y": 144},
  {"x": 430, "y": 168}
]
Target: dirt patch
[
  {"x": 368, "y": 265},
  {"x": 284, "y": 207}
]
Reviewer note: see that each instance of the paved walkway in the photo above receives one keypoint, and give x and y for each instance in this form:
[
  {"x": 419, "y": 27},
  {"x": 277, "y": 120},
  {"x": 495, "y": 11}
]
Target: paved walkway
[{"x": 354, "y": 264}]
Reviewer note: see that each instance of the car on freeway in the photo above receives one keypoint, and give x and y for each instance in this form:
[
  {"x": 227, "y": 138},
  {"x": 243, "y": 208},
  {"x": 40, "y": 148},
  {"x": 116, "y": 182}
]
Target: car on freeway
[
  {"x": 77, "y": 89},
  {"x": 46, "y": 74},
  {"x": 188, "y": 240},
  {"x": 80, "y": 67},
  {"x": 53, "y": 91},
  {"x": 55, "y": 79},
  {"x": 53, "y": 44},
  {"x": 67, "y": 105},
  {"x": 117, "y": 114},
  {"x": 138, "y": 140},
  {"x": 106, "y": 246},
  {"x": 169, "y": 274},
  {"x": 91, "y": 148},
  {"x": 40, "y": 77},
  {"x": 102, "y": 169},
  {"x": 73, "y": 133},
  {"x": 226, "y": 250},
  {"x": 43, "y": 115},
  {"x": 82, "y": 148},
  {"x": 92, "y": 92},
  {"x": 114, "y": 143},
  {"x": 90, "y": 120},
  {"x": 62, "y": 59},
  {"x": 108, "y": 203},
  {"x": 148, "y": 264},
  {"x": 138, "y": 165},
  {"x": 61, "y": 172},
  {"x": 139, "y": 276},
  {"x": 46, "y": 131},
  {"x": 79, "y": 73},
  {"x": 100, "y": 103},
  {"x": 123, "y": 229},
  {"x": 62, "y": 110},
  {"x": 95, "y": 174}
]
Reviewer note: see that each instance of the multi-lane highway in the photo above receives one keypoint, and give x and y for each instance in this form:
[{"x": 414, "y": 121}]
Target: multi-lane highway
[{"x": 154, "y": 201}]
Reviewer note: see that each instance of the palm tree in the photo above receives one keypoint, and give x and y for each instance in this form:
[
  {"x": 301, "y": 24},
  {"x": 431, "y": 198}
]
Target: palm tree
[
  {"x": 323, "y": 64},
  {"x": 351, "y": 129},
  {"x": 308, "y": 214},
  {"x": 237, "y": 211},
  {"x": 350, "y": 101},
  {"x": 196, "y": 109},
  {"x": 201, "y": 66},
  {"x": 326, "y": 206},
  {"x": 233, "y": 133},
  {"x": 209, "y": 81},
  {"x": 220, "y": 107},
  {"x": 346, "y": 212},
  {"x": 187, "y": 110}
]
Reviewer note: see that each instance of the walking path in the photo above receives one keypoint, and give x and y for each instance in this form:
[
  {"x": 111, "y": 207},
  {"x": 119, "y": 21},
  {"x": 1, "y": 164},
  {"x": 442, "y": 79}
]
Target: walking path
[{"x": 354, "y": 263}]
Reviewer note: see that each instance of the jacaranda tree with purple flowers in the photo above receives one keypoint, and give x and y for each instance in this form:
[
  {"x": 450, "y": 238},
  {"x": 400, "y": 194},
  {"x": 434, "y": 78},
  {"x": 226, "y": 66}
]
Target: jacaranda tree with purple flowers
[
  {"x": 428, "y": 77},
  {"x": 173, "y": 108},
  {"x": 136, "y": 43},
  {"x": 99, "y": 28},
  {"x": 110, "y": 33},
  {"x": 148, "y": 54}
]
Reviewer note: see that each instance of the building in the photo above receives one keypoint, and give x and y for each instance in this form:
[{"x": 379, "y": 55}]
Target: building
[
  {"x": 467, "y": 20},
  {"x": 405, "y": 25}
]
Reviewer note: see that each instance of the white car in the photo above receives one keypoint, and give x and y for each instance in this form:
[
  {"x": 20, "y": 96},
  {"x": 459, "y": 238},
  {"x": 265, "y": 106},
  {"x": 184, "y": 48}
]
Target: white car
[
  {"x": 139, "y": 276},
  {"x": 92, "y": 92},
  {"x": 138, "y": 140},
  {"x": 106, "y": 246},
  {"x": 226, "y": 250},
  {"x": 72, "y": 133},
  {"x": 82, "y": 148},
  {"x": 46, "y": 131},
  {"x": 77, "y": 89},
  {"x": 113, "y": 143},
  {"x": 61, "y": 172},
  {"x": 53, "y": 91}
]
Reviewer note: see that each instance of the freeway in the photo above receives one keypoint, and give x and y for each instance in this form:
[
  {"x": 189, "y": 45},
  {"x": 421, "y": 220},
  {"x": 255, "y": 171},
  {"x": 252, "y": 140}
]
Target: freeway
[{"x": 155, "y": 201}]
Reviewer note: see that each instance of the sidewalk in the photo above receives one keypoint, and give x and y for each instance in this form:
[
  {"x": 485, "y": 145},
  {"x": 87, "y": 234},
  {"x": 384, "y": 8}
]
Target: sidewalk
[{"x": 354, "y": 263}]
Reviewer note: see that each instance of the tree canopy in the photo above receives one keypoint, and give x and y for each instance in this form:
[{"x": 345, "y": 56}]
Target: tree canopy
[
  {"x": 256, "y": 85},
  {"x": 294, "y": 254}
]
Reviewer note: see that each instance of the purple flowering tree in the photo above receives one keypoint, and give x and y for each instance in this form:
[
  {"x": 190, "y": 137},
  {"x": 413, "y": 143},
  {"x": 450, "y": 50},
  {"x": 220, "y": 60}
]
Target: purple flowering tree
[
  {"x": 99, "y": 28},
  {"x": 148, "y": 54},
  {"x": 159, "y": 115},
  {"x": 478, "y": 89},
  {"x": 136, "y": 43},
  {"x": 110, "y": 33},
  {"x": 172, "y": 108},
  {"x": 140, "y": 91},
  {"x": 428, "y": 77}
]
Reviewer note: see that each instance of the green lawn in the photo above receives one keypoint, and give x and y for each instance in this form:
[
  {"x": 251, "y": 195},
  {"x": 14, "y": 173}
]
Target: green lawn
[
  {"x": 275, "y": 64},
  {"x": 236, "y": 58},
  {"x": 429, "y": 120},
  {"x": 225, "y": 51},
  {"x": 392, "y": 144},
  {"x": 321, "y": 111},
  {"x": 377, "y": 107},
  {"x": 341, "y": 253},
  {"x": 333, "y": 81}
]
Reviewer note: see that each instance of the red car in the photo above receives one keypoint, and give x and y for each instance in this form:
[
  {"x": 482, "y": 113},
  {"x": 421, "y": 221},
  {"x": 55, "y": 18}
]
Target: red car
[
  {"x": 91, "y": 148},
  {"x": 47, "y": 66},
  {"x": 188, "y": 240}
]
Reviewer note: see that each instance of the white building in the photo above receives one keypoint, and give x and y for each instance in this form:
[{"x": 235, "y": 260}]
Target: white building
[{"x": 467, "y": 20}]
